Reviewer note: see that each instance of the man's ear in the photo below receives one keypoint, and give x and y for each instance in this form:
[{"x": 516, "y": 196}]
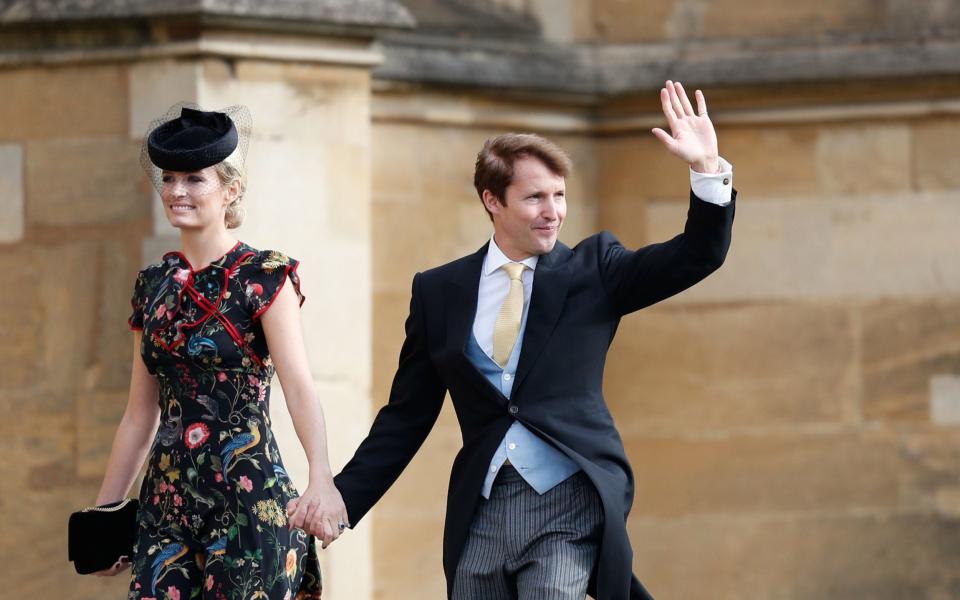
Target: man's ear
[{"x": 492, "y": 202}]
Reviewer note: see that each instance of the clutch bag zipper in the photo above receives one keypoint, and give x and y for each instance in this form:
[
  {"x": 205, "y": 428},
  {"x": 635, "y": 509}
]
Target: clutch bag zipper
[{"x": 107, "y": 508}]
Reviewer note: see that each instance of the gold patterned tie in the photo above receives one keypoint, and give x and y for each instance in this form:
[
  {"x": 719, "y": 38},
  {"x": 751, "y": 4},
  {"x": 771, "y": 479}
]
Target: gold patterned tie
[{"x": 507, "y": 327}]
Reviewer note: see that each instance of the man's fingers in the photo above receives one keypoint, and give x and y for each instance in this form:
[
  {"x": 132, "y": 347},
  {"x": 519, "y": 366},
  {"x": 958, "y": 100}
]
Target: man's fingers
[
  {"x": 674, "y": 99},
  {"x": 682, "y": 93},
  {"x": 666, "y": 138},
  {"x": 701, "y": 103},
  {"x": 667, "y": 107}
]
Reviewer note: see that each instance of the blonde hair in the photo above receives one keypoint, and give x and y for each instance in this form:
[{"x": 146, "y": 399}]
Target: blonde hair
[{"x": 229, "y": 174}]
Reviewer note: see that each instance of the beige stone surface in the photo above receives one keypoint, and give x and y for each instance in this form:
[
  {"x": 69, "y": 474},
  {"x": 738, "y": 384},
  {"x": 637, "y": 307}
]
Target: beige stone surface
[
  {"x": 774, "y": 161},
  {"x": 691, "y": 370},
  {"x": 945, "y": 399},
  {"x": 830, "y": 247},
  {"x": 86, "y": 181},
  {"x": 97, "y": 416},
  {"x": 637, "y": 167},
  {"x": 905, "y": 344},
  {"x": 21, "y": 319},
  {"x": 787, "y": 557},
  {"x": 934, "y": 143},
  {"x": 618, "y": 21},
  {"x": 948, "y": 502},
  {"x": 51, "y": 317},
  {"x": 119, "y": 261},
  {"x": 156, "y": 85},
  {"x": 67, "y": 288},
  {"x": 327, "y": 103},
  {"x": 757, "y": 475},
  {"x": 860, "y": 159},
  {"x": 41, "y": 103},
  {"x": 11, "y": 193},
  {"x": 730, "y": 18}
]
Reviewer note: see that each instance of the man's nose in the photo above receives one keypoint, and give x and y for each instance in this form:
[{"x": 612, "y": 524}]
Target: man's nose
[{"x": 549, "y": 210}]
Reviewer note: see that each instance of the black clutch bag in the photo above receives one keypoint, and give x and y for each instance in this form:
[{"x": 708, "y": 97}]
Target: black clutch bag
[{"x": 99, "y": 535}]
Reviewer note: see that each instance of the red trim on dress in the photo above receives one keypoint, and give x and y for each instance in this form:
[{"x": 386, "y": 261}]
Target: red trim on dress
[
  {"x": 287, "y": 269},
  {"x": 184, "y": 258}
]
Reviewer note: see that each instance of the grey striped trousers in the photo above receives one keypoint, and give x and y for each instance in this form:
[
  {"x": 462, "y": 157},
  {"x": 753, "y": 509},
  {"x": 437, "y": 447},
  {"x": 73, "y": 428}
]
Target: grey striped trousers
[{"x": 524, "y": 545}]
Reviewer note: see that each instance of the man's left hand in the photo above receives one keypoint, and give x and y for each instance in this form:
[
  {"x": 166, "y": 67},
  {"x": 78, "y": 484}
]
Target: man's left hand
[{"x": 691, "y": 136}]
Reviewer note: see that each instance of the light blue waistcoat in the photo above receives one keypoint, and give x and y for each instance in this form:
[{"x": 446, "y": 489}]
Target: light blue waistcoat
[{"x": 540, "y": 464}]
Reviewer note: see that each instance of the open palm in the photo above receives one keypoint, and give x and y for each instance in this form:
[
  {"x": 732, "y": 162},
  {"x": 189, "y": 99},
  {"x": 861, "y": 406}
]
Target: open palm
[{"x": 691, "y": 136}]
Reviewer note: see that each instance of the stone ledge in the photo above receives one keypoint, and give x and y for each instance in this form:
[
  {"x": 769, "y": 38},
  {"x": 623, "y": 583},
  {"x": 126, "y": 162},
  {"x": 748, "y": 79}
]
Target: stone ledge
[
  {"x": 362, "y": 13},
  {"x": 624, "y": 69}
]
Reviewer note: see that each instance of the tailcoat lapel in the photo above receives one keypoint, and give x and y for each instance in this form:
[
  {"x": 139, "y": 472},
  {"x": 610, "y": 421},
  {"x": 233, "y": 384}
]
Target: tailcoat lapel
[
  {"x": 550, "y": 283},
  {"x": 460, "y": 299}
]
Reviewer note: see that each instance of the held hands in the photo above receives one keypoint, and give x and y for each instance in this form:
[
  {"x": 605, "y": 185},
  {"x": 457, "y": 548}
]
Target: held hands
[
  {"x": 319, "y": 511},
  {"x": 691, "y": 136}
]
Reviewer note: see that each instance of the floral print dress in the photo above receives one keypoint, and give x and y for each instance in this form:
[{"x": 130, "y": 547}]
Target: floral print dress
[{"x": 212, "y": 521}]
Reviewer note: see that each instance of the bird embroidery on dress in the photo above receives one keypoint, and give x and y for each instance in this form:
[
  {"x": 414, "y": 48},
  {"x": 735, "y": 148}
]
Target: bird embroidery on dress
[
  {"x": 278, "y": 471},
  {"x": 197, "y": 343},
  {"x": 218, "y": 548},
  {"x": 239, "y": 444},
  {"x": 166, "y": 557}
]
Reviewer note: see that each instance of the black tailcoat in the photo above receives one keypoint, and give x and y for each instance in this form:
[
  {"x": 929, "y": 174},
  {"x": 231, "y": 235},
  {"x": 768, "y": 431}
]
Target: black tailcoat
[{"x": 579, "y": 296}]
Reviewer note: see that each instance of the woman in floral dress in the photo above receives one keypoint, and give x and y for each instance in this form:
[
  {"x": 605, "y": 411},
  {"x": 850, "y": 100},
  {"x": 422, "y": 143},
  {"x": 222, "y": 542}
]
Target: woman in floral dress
[{"x": 219, "y": 517}]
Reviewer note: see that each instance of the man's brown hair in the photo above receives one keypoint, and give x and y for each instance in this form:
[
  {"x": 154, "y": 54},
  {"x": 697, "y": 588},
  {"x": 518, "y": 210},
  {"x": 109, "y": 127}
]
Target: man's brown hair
[{"x": 494, "y": 168}]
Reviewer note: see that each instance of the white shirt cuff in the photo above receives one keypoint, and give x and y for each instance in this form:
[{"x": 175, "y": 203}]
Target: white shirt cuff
[{"x": 713, "y": 188}]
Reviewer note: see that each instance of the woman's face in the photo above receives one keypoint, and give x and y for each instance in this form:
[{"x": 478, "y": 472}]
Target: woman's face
[{"x": 195, "y": 200}]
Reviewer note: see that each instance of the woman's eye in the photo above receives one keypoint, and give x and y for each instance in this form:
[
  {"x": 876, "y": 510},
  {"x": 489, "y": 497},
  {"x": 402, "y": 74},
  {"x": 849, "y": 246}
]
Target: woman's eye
[
  {"x": 166, "y": 179},
  {"x": 195, "y": 179}
]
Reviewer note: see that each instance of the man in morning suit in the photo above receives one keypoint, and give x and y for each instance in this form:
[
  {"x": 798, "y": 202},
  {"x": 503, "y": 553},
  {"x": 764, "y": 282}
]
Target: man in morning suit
[{"x": 518, "y": 333}]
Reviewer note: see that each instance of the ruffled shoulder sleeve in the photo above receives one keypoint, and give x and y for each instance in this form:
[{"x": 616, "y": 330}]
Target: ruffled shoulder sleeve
[
  {"x": 140, "y": 301},
  {"x": 265, "y": 276}
]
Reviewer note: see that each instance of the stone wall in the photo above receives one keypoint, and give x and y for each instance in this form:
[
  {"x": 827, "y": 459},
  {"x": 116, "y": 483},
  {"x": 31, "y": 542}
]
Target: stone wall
[
  {"x": 793, "y": 422},
  {"x": 629, "y": 21},
  {"x": 74, "y": 188}
]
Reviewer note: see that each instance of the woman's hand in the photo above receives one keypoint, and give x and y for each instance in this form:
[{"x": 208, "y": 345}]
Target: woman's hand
[
  {"x": 122, "y": 564},
  {"x": 319, "y": 511}
]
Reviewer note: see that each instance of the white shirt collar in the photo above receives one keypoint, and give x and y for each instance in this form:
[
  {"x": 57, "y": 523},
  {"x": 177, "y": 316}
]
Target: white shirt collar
[{"x": 496, "y": 258}]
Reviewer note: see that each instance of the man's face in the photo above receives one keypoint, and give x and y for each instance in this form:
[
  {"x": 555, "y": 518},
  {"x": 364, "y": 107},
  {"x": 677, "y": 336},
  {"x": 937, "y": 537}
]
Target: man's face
[{"x": 536, "y": 205}]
